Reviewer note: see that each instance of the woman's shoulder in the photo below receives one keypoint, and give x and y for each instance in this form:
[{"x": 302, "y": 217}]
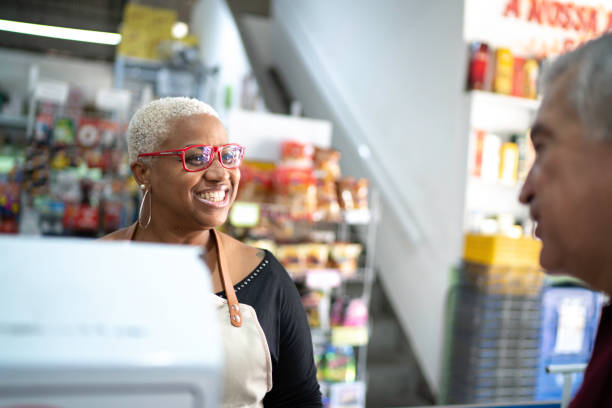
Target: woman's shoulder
[{"x": 123, "y": 234}]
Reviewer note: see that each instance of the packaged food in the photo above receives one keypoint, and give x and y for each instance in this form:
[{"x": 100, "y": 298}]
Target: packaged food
[
  {"x": 491, "y": 157},
  {"x": 256, "y": 181},
  {"x": 88, "y": 135},
  {"x": 297, "y": 154},
  {"x": 328, "y": 207},
  {"x": 531, "y": 70},
  {"x": 518, "y": 80},
  {"x": 508, "y": 166},
  {"x": 353, "y": 193},
  {"x": 345, "y": 256},
  {"x": 293, "y": 258},
  {"x": 296, "y": 190},
  {"x": 339, "y": 364},
  {"x": 311, "y": 303},
  {"x": 326, "y": 164},
  {"x": 63, "y": 134},
  {"x": 504, "y": 70},
  {"x": 479, "y": 66},
  {"x": 477, "y": 152},
  {"x": 317, "y": 255}
]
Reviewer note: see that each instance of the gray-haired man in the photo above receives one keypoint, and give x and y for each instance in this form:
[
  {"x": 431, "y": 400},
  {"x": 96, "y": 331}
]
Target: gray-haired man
[{"x": 569, "y": 188}]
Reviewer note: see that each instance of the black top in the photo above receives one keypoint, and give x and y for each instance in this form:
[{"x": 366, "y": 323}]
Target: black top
[
  {"x": 271, "y": 292},
  {"x": 597, "y": 382}
]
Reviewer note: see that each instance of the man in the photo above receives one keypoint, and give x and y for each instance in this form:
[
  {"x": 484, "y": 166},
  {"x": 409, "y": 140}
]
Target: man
[{"x": 569, "y": 189}]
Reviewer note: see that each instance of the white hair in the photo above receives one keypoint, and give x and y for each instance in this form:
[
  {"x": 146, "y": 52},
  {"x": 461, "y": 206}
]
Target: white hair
[
  {"x": 590, "y": 92},
  {"x": 150, "y": 125}
]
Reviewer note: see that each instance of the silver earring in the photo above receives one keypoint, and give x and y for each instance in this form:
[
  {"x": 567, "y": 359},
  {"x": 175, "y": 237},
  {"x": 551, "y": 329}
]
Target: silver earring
[
  {"x": 144, "y": 197},
  {"x": 142, "y": 186}
]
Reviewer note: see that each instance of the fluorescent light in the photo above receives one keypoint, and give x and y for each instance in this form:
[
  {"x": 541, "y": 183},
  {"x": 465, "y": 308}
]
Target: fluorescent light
[
  {"x": 98, "y": 37},
  {"x": 180, "y": 29}
]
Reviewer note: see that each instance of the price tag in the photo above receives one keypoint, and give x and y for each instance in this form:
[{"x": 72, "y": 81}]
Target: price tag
[
  {"x": 244, "y": 215},
  {"x": 323, "y": 278},
  {"x": 349, "y": 336},
  {"x": 357, "y": 216}
]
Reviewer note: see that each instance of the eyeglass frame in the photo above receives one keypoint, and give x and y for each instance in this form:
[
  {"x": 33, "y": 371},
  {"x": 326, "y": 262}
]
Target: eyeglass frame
[{"x": 181, "y": 152}]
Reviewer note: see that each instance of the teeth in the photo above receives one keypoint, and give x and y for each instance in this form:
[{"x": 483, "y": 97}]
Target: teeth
[{"x": 214, "y": 196}]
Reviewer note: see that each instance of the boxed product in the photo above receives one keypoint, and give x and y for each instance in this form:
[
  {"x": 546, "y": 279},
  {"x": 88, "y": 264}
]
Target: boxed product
[
  {"x": 328, "y": 207},
  {"x": 293, "y": 258}
]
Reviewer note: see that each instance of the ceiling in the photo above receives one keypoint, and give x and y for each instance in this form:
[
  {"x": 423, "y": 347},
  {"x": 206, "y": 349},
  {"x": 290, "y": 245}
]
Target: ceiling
[{"x": 100, "y": 15}]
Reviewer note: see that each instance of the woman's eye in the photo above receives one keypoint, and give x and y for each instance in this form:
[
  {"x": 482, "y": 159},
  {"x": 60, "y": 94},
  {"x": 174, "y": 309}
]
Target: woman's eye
[{"x": 195, "y": 159}]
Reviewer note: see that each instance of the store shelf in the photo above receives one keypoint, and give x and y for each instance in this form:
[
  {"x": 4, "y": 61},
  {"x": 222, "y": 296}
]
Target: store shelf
[
  {"x": 494, "y": 198},
  {"x": 18, "y": 122},
  {"x": 501, "y": 113}
]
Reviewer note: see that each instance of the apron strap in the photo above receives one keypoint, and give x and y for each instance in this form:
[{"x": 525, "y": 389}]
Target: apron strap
[{"x": 226, "y": 281}]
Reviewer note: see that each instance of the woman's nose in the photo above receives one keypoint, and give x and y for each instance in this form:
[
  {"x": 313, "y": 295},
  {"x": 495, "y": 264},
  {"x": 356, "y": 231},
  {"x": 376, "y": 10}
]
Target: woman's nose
[{"x": 216, "y": 172}]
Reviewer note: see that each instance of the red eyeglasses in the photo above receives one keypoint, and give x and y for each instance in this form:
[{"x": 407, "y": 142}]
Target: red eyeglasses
[{"x": 200, "y": 157}]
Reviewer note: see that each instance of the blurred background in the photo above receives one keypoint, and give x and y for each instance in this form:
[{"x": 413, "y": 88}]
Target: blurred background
[{"x": 386, "y": 145}]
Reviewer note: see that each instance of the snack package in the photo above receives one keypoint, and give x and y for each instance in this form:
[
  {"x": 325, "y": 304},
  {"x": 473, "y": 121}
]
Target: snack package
[
  {"x": 345, "y": 256},
  {"x": 63, "y": 134},
  {"x": 339, "y": 364},
  {"x": 479, "y": 66},
  {"x": 326, "y": 164},
  {"x": 310, "y": 303},
  {"x": 328, "y": 207},
  {"x": 88, "y": 135},
  {"x": 531, "y": 68},
  {"x": 353, "y": 193},
  {"x": 293, "y": 258},
  {"x": 317, "y": 255},
  {"x": 297, "y": 154},
  {"x": 296, "y": 190},
  {"x": 256, "y": 182}
]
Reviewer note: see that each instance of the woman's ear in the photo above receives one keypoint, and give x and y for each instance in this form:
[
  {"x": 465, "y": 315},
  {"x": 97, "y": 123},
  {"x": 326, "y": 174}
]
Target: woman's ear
[{"x": 141, "y": 173}]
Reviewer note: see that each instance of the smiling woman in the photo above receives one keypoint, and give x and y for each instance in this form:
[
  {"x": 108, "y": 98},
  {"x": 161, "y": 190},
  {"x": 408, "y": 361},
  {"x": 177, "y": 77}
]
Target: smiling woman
[{"x": 189, "y": 175}]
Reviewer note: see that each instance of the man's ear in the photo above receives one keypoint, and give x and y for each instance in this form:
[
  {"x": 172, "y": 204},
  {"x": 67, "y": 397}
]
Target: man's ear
[{"x": 141, "y": 172}]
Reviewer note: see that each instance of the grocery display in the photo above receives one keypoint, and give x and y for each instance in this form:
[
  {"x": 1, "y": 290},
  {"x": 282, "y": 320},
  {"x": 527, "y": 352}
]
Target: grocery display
[{"x": 321, "y": 228}]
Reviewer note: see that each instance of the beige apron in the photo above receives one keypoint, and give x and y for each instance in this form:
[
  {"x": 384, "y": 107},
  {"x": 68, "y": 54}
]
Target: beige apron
[{"x": 247, "y": 375}]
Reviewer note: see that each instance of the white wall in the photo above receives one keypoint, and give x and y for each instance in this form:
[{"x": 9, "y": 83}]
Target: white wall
[
  {"x": 390, "y": 75},
  {"x": 220, "y": 45}
]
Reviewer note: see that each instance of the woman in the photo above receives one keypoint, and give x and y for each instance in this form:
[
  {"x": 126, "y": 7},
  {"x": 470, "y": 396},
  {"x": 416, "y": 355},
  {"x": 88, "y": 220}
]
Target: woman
[{"x": 189, "y": 175}]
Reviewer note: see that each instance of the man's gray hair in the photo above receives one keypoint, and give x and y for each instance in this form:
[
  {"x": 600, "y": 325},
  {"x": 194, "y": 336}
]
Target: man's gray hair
[
  {"x": 590, "y": 92},
  {"x": 150, "y": 125}
]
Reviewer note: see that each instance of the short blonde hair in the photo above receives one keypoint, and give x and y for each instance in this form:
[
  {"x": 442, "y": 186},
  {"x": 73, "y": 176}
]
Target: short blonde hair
[{"x": 150, "y": 124}]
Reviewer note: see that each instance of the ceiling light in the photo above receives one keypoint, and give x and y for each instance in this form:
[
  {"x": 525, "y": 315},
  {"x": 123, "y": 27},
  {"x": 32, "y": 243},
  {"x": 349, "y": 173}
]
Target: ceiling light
[
  {"x": 98, "y": 37},
  {"x": 179, "y": 30}
]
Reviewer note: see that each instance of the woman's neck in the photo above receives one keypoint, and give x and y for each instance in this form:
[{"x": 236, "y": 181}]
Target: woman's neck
[{"x": 160, "y": 232}]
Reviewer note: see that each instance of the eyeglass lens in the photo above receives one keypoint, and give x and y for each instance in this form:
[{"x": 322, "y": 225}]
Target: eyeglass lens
[{"x": 199, "y": 157}]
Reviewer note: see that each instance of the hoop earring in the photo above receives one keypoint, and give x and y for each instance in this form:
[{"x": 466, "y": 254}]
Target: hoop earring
[{"x": 144, "y": 197}]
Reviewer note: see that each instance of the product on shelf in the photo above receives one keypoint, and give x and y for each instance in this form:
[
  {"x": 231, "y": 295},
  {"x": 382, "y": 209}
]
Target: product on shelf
[
  {"x": 504, "y": 70},
  {"x": 479, "y": 66},
  {"x": 317, "y": 255},
  {"x": 532, "y": 68},
  {"x": 296, "y": 190},
  {"x": 490, "y": 157},
  {"x": 88, "y": 135},
  {"x": 297, "y": 154},
  {"x": 508, "y": 168},
  {"x": 328, "y": 207},
  {"x": 353, "y": 193},
  {"x": 293, "y": 258},
  {"x": 63, "y": 133},
  {"x": 518, "y": 77},
  {"x": 256, "y": 182},
  {"x": 326, "y": 164},
  {"x": 508, "y": 74},
  {"x": 311, "y": 301},
  {"x": 477, "y": 152},
  {"x": 344, "y": 256},
  {"x": 339, "y": 364},
  {"x": 349, "y": 312}
]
